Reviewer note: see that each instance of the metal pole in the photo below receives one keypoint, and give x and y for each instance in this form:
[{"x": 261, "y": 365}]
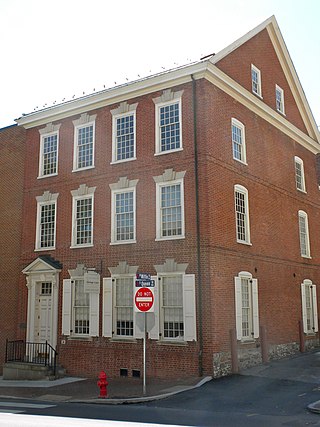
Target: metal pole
[{"x": 145, "y": 355}]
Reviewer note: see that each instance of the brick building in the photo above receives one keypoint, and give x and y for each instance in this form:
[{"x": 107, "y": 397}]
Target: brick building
[
  {"x": 204, "y": 177},
  {"x": 12, "y": 148}
]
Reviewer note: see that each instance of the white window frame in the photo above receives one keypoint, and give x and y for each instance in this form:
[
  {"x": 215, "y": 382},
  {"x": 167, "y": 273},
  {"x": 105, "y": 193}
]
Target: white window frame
[
  {"x": 46, "y": 132},
  {"x": 299, "y": 186},
  {"x": 253, "y": 307},
  {"x": 124, "y": 110},
  {"x": 304, "y": 238},
  {"x": 309, "y": 307},
  {"x": 258, "y": 90},
  {"x": 280, "y": 101},
  {"x": 242, "y": 190},
  {"x": 68, "y": 299},
  {"x": 114, "y": 215},
  {"x": 45, "y": 200},
  {"x": 166, "y": 99},
  {"x": 114, "y": 315},
  {"x": 83, "y": 122},
  {"x": 82, "y": 193},
  {"x": 236, "y": 123},
  {"x": 159, "y": 186}
]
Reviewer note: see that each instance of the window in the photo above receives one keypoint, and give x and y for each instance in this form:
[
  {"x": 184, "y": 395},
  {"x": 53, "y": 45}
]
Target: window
[
  {"x": 123, "y": 211},
  {"x": 123, "y": 306},
  {"x": 84, "y": 136},
  {"x": 49, "y": 140},
  {"x": 256, "y": 80},
  {"x": 168, "y": 122},
  {"x": 80, "y": 303},
  {"x": 46, "y": 221},
  {"x": 304, "y": 234},
  {"x": 279, "y": 99},
  {"x": 299, "y": 170},
  {"x": 238, "y": 141},
  {"x": 172, "y": 307},
  {"x": 309, "y": 307},
  {"x": 170, "y": 205},
  {"x": 82, "y": 217},
  {"x": 242, "y": 214},
  {"x": 246, "y": 299},
  {"x": 124, "y": 132}
]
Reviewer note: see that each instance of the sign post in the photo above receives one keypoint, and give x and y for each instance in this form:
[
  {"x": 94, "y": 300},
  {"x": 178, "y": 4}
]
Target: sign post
[{"x": 144, "y": 302}]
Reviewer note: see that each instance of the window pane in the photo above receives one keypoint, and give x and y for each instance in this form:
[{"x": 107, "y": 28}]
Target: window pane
[
  {"x": 47, "y": 225},
  {"x": 247, "y": 319},
  {"x": 169, "y": 127},
  {"x": 237, "y": 142},
  {"x": 125, "y": 137},
  {"x": 241, "y": 216},
  {"x": 304, "y": 239},
  {"x": 49, "y": 155},
  {"x": 84, "y": 221},
  {"x": 124, "y": 216},
  {"x": 85, "y": 147},
  {"x": 171, "y": 216},
  {"x": 124, "y": 306},
  {"x": 172, "y": 303},
  {"x": 81, "y": 308}
]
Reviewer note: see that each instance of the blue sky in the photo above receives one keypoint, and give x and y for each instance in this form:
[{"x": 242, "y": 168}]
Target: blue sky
[{"x": 54, "y": 50}]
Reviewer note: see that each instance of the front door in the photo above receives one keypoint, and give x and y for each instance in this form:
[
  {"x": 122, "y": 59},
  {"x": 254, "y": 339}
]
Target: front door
[{"x": 43, "y": 312}]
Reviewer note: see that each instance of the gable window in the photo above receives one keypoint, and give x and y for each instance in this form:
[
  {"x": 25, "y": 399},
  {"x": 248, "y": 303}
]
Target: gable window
[
  {"x": 242, "y": 214},
  {"x": 309, "y": 307},
  {"x": 123, "y": 211},
  {"x": 168, "y": 122},
  {"x": 49, "y": 139},
  {"x": 80, "y": 303},
  {"x": 238, "y": 141},
  {"x": 82, "y": 216},
  {"x": 304, "y": 234},
  {"x": 256, "y": 80},
  {"x": 279, "y": 99},
  {"x": 84, "y": 136},
  {"x": 46, "y": 221},
  {"x": 246, "y": 300},
  {"x": 124, "y": 132},
  {"x": 299, "y": 173}
]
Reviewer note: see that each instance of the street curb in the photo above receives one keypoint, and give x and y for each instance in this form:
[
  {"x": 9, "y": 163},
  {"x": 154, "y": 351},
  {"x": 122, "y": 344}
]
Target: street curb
[
  {"x": 120, "y": 401},
  {"x": 314, "y": 407}
]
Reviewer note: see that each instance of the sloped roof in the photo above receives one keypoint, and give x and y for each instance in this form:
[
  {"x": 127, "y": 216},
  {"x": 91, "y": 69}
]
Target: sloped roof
[{"x": 283, "y": 55}]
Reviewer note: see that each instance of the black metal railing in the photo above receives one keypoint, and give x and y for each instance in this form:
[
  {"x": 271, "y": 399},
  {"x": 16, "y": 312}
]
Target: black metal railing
[{"x": 31, "y": 352}]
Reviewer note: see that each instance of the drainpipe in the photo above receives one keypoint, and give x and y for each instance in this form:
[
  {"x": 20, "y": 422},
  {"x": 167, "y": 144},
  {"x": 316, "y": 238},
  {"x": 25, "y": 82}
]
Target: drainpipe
[{"x": 199, "y": 288}]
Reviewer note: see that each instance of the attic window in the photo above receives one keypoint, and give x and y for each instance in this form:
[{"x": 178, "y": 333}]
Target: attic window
[{"x": 256, "y": 80}]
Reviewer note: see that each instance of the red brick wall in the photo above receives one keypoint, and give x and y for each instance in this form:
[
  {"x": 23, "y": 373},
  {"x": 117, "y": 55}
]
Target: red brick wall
[{"x": 12, "y": 152}]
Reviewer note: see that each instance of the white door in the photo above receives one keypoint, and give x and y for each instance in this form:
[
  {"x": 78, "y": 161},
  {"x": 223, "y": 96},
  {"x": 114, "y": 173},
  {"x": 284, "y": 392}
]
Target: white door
[{"x": 43, "y": 315}]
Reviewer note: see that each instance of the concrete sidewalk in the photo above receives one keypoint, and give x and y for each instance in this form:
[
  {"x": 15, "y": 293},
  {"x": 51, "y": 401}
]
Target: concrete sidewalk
[{"x": 120, "y": 390}]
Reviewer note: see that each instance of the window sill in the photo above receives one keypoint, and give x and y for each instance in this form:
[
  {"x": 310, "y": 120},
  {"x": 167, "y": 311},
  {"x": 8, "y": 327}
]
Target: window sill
[
  {"x": 47, "y": 176},
  {"x": 116, "y": 162},
  {"x": 160, "y": 239},
  {"x": 306, "y": 256},
  {"x": 160, "y": 153},
  {"x": 301, "y": 191},
  {"x": 125, "y": 242},
  {"x": 53, "y": 248},
  {"x": 83, "y": 169},
  {"x": 244, "y": 243},
  {"x": 79, "y": 338},
  {"x": 247, "y": 341},
  {"x": 89, "y": 245},
  {"x": 281, "y": 112},
  {"x": 240, "y": 161},
  {"x": 259, "y": 95}
]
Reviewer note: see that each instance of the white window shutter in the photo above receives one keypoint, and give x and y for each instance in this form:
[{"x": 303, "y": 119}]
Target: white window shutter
[
  {"x": 255, "y": 308},
  {"x": 304, "y": 308},
  {"x": 238, "y": 303},
  {"x": 189, "y": 307},
  {"x": 107, "y": 308},
  {"x": 94, "y": 314},
  {"x": 66, "y": 307},
  {"x": 315, "y": 308},
  {"x": 154, "y": 332},
  {"x": 138, "y": 317}
]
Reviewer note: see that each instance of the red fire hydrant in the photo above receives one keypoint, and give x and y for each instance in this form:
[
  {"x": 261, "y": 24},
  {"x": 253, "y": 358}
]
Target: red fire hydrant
[{"x": 102, "y": 383}]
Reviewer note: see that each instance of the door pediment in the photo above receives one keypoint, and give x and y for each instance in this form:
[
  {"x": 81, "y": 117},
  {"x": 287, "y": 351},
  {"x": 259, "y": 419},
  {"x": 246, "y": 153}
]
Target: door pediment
[{"x": 43, "y": 264}]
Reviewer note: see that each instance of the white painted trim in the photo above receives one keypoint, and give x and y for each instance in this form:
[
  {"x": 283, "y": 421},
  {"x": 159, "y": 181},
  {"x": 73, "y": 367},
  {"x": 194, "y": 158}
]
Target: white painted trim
[
  {"x": 238, "y": 124},
  {"x": 74, "y": 222},
  {"x": 77, "y": 127},
  {"x": 240, "y": 189}
]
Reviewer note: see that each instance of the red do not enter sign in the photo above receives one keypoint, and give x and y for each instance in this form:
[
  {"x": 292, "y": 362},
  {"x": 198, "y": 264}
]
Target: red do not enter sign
[{"x": 144, "y": 299}]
